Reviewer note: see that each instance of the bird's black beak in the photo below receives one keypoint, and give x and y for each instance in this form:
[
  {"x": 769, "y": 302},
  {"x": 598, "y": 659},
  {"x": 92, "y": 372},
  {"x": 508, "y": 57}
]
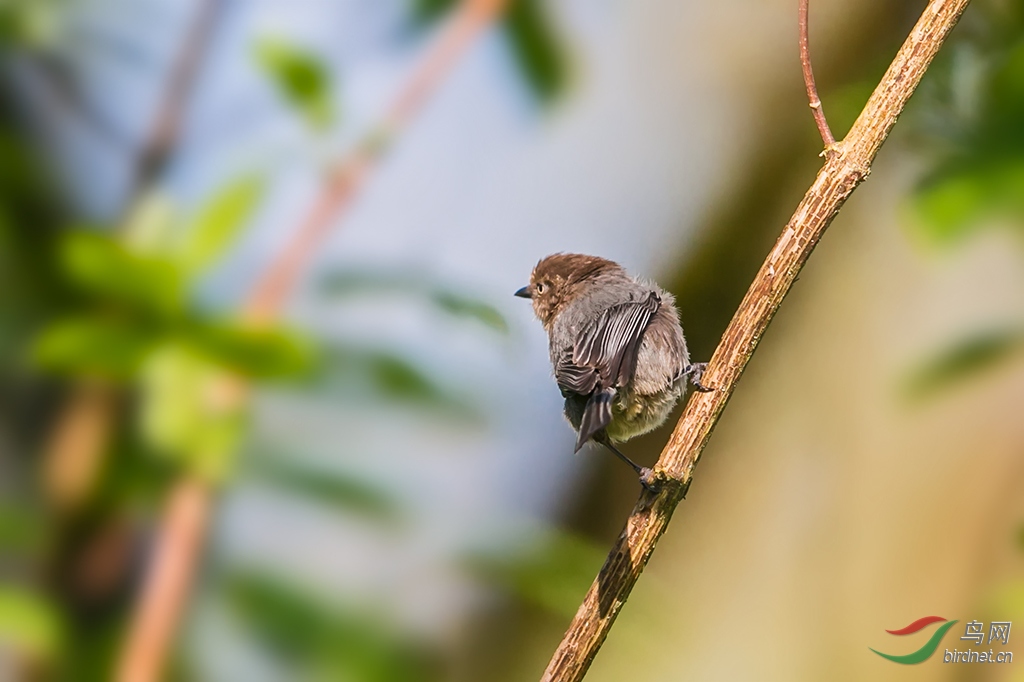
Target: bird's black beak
[{"x": 524, "y": 293}]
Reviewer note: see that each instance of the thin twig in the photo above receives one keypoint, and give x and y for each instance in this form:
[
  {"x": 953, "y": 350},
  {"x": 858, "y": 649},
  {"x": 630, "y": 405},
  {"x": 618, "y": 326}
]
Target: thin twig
[
  {"x": 179, "y": 543},
  {"x": 842, "y": 173},
  {"x": 812, "y": 89}
]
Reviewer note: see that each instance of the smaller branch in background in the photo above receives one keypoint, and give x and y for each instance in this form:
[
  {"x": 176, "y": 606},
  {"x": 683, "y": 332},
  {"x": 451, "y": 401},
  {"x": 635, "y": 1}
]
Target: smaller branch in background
[
  {"x": 812, "y": 89},
  {"x": 162, "y": 139},
  {"x": 64, "y": 93},
  {"x": 182, "y": 533},
  {"x": 180, "y": 537},
  {"x": 75, "y": 450},
  {"x": 345, "y": 177}
]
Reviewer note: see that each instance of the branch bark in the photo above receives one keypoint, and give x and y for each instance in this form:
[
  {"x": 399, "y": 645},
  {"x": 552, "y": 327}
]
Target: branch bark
[{"x": 843, "y": 171}]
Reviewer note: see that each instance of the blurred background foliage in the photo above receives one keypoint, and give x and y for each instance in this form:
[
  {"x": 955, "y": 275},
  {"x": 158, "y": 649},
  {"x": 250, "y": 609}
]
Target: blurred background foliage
[
  {"x": 301, "y": 78},
  {"x": 118, "y": 307},
  {"x": 539, "y": 53},
  {"x": 968, "y": 119}
]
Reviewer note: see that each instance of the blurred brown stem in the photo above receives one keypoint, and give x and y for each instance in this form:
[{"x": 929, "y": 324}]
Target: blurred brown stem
[
  {"x": 182, "y": 532},
  {"x": 844, "y": 170},
  {"x": 74, "y": 453},
  {"x": 812, "y": 89},
  {"x": 162, "y": 138},
  {"x": 180, "y": 539}
]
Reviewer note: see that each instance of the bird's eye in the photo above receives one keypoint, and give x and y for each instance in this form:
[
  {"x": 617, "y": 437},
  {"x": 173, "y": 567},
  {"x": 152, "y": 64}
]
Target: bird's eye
[{"x": 540, "y": 288}]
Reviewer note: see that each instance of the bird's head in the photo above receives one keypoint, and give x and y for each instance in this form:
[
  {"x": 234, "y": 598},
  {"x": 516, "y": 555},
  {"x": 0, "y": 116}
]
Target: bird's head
[{"x": 559, "y": 279}]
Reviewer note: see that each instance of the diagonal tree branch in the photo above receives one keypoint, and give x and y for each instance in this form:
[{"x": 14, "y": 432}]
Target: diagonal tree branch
[{"x": 843, "y": 171}]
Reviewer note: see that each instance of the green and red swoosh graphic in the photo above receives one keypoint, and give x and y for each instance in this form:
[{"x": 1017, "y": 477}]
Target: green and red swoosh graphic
[{"x": 930, "y": 646}]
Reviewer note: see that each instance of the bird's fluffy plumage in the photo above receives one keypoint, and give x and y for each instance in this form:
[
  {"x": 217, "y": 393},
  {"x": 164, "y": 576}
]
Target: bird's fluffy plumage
[{"x": 616, "y": 345}]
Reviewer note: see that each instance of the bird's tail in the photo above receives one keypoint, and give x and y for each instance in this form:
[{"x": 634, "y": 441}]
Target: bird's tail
[{"x": 597, "y": 414}]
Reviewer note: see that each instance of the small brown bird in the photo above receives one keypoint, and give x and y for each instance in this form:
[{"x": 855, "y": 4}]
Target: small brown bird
[{"x": 616, "y": 346}]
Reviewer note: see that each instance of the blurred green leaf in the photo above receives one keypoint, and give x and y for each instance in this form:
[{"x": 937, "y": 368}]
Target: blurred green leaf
[
  {"x": 258, "y": 353},
  {"x": 89, "y": 655},
  {"x": 149, "y": 226},
  {"x": 293, "y": 624},
  {"x": 133, "y": 477},
  {"x": 964, "y": 360},
  {"x": 301, "y": 77},
  {"x": 29, "y": 23},
  {"x": 1006, "y": 90},
  {"x": 535, "y": 46},
  {"x": 371, "y": 373},
  {"x": 950, "y": 207},
  {"x": 554, "y": 574},
  {"x": 972, "y": 106},
  {"x": 101, "y": 266},
  {"x": 461, "y": 306},
  {"x": 218, "y": 222},
  {"x": 345, "y": 283},
  {"x": 305, "y": 628},
  {"x": 93, "y": 346},
  {"x": 180, "y": 415},
  {"x": 428, "y": 11},
  {"x": 339, "y": 490},
  {"x": 958, "y": 199},
  {"x": 28, "y": 622},
  {"x": 22, "y": 528},
  {"x": 401, "y": 379}
]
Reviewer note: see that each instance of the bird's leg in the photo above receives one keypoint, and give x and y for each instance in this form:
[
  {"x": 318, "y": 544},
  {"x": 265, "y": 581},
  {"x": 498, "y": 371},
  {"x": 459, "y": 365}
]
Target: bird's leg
[
  {"x": 644, "y": 473},
  {"x": 696, "y": 372}
]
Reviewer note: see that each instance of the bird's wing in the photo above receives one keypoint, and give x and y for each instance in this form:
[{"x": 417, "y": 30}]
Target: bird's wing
[
  {"x": 573, "y": 378},
  {"x": 610, "y": 344},
  {"x": 604, "y": 359}
]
